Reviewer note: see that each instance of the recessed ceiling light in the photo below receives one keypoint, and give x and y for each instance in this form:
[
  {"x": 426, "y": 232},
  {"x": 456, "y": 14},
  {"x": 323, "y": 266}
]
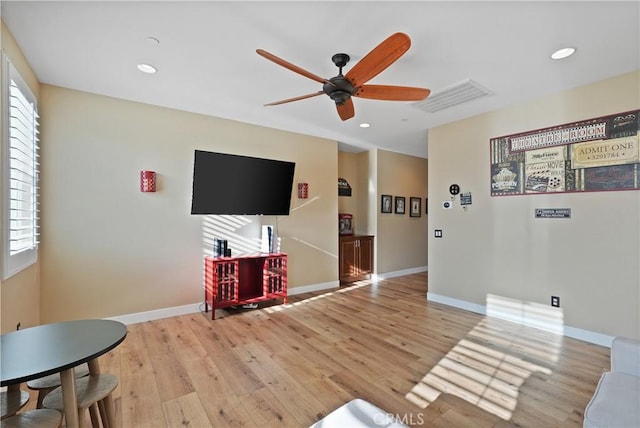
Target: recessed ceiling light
[
  {"x": 147, "y": 68},
  {"x": 563, "y": 53},
  {"x": 365, "y": 125}
]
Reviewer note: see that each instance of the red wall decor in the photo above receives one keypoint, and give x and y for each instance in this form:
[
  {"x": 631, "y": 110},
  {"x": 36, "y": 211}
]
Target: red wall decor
[
  {"x": 303, "y": 190},
  {"x": 147, "y": 181}
]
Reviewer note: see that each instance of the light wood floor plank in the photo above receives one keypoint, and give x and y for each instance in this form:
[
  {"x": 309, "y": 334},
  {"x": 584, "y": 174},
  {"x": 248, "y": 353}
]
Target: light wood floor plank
[
  {"x": 172, "y": 379},
  {"x": 140, "y": 403},
  {"x": 266, "y": 410},
  {"x": 186, "y": 411}
]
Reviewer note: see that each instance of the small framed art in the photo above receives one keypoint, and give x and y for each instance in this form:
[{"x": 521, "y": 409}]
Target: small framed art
[
  {"x": 385, "y": 204},
  {"x": 400, "y": 204},
  {"x": 416, "y": 207}
]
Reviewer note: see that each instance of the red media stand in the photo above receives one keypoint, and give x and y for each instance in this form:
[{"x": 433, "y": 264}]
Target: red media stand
[{"x": 231, "y": 281}]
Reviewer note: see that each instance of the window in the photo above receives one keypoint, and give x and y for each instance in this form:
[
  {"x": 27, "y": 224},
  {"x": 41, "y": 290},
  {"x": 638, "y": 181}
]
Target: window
[{"x": 20, "y": 170}]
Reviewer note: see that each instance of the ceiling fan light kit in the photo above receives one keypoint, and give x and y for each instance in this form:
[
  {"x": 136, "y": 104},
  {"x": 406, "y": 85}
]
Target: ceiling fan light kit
[{"x": 342, "y": 88}]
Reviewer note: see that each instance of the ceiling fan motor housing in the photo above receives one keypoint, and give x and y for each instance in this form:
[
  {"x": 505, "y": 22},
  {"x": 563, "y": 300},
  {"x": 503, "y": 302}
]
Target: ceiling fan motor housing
[{"x": 340, "y": 89}]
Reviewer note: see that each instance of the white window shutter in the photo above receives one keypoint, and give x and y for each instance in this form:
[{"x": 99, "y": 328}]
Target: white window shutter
[{"x": 20, "y": 172}]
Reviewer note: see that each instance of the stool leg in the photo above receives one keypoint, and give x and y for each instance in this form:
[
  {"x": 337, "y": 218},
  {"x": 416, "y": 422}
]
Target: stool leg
[
  {"x": 110, "y": 411},
  {"x": 103, "y": 414},
  {"x": 70, "y": 397},
  {"x": 81, "y": 418},
  {"x": 95, "y": 416}
]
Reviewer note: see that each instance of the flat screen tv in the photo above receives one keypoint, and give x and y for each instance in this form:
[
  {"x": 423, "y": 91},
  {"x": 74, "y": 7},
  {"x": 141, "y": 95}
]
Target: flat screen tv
[{"x": 234, "y": 184}]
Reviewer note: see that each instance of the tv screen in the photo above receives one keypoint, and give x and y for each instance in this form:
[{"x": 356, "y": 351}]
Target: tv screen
[{"x": 233, "y": 184}]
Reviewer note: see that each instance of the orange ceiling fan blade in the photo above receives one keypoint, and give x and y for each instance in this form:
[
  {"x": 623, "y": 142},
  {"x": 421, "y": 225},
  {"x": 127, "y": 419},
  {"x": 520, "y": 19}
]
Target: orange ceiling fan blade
[
  {"x": 346, "y": 110},
  {"x": 381, "y": 57},
  {"x": 292, "y": 67},
  {"x": 301, "y": 97},
  {"x": 391, "y": 93}
]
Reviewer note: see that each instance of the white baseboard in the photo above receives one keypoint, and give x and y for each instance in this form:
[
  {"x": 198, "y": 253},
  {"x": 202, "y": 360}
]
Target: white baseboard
[
  {"x": 158, "y": 314},
  {"x": 456, "y": 303},
  {"x": 568, "y": 331},
  {"x": 197, "y": 307},
  {"x": 588, "y": 336},
  {"x": 313, "y": 287},
  {"x": 387, "y": 275}
]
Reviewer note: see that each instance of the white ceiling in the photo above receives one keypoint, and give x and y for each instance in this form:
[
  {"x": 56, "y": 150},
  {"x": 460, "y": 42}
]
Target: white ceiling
[{"x": 208, "y": 64}]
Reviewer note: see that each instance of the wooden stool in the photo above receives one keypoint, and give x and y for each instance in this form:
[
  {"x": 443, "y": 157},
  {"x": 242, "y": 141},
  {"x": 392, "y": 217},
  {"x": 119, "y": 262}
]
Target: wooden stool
[
  {"x": 45, "y": 385},
  {"x": 41, "y": 418},
  {"x": 93, "y": 391},
  {"x": 11, "y": 402}
]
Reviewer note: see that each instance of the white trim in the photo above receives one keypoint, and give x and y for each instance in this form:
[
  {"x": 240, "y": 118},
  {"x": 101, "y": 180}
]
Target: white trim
[
  {"x": 313, "y": 287},
  {"x": 4, "y": 168},
  {"x": 158, "y": 314},
  {"x": 456, "y": 303},
  {"x": 568, "y": 331},
  {"x": 387, "y": 275},
  {"x": 193, "y": 308},
  {"x": 573, "y": 332},
  {"x": 588, "y": 336}
]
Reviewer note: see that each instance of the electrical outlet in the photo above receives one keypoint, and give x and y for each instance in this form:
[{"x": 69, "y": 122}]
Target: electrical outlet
[
  {"x": 437, "y": 233},
  {"x": 555, "y": 301}
]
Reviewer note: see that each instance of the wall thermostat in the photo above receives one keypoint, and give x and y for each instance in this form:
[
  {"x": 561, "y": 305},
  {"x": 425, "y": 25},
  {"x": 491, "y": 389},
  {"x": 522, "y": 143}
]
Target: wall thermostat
[{"x": 454, "y": 189}]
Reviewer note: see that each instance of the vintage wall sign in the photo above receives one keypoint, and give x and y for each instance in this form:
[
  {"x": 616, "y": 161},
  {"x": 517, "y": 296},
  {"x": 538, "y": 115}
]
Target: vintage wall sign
[{"x": 600, "y": 154}]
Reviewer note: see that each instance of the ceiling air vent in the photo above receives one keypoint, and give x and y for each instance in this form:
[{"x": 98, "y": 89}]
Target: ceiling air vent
[{"x": 453, "y": 95}]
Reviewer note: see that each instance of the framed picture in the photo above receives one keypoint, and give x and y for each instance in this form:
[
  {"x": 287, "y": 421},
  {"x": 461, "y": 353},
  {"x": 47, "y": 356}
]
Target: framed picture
[
  {"x": 385, "y": 204},
  {"x": 400, "y": 204},
  {"x": 426, "y": 206},
  {"x": 416, "y": 207}
]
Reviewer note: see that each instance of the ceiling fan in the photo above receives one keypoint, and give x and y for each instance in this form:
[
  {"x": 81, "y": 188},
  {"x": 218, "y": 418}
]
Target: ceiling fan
[{"x": 353, "y": 84}]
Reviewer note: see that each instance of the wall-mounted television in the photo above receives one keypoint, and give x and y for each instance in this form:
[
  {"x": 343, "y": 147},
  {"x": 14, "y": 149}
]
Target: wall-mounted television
[{"x": 233, "y": 184}]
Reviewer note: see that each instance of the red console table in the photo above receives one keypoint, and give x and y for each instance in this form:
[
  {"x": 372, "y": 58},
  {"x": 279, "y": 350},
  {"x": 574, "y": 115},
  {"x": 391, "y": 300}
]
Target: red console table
[{"x": 231, "y": 281}]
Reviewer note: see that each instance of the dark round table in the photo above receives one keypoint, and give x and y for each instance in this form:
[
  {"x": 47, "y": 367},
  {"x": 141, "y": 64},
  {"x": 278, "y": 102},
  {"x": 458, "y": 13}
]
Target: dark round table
[{"x": 39, "y": 351}]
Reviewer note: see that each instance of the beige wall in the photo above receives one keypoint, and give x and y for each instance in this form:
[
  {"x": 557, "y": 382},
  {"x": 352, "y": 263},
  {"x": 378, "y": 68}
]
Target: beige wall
[
  {"x": 497, "y": 247},
  {"x": 108, "y": 249},
  {"x": 349, "y": 170},
  {"x": 401, "y": 239},
  {"x": 20, "y": 294},
  {"x": 366, "y": 201}
]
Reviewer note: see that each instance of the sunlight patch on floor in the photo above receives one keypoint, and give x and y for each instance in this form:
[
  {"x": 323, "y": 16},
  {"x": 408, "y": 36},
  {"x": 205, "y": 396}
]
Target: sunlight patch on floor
[
  {"x": 278, "y": 308},
  {"x": 488, "y": 367}
]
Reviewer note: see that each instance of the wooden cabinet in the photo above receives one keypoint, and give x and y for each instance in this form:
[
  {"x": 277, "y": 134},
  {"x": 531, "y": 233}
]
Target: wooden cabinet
[
  {"x": 231, "y": 281},
  {"x": 356, "y": 258}
]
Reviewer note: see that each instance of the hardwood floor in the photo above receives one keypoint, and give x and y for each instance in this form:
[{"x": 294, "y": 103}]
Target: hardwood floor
[{"x": 428, "y": 364}]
